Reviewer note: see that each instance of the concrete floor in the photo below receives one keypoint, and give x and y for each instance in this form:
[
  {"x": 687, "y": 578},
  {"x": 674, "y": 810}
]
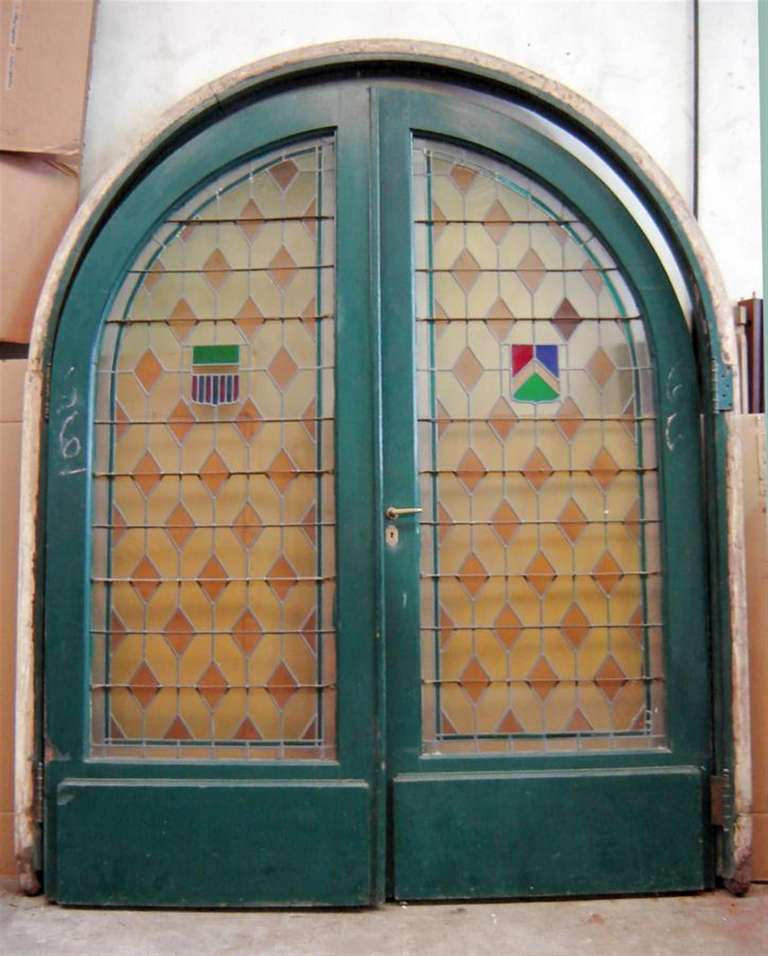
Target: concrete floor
[{"x": 711, "y": 924}]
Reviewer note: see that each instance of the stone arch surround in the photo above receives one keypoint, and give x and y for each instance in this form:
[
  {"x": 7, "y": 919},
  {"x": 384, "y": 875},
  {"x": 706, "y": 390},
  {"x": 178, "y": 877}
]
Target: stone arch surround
[{"x": 604, "y": 135}]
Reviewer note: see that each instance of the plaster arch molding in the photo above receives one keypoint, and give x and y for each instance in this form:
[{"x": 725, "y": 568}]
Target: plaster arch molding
[{"x": 655, "y": 191}]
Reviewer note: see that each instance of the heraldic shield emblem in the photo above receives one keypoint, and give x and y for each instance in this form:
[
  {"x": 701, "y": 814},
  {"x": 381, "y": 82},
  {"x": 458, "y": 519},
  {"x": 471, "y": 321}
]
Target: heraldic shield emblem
[
  {"x": 535, "y": 373},
  {"x": 215, "y": 374}
]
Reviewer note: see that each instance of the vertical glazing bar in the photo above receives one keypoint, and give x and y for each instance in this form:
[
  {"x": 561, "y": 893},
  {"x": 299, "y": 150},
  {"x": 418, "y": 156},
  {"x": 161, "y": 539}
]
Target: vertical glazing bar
[
  {"x": 639, "y": 411},
  {"x": 319, "y": 428},
  {"x": 434, "y": 439}
]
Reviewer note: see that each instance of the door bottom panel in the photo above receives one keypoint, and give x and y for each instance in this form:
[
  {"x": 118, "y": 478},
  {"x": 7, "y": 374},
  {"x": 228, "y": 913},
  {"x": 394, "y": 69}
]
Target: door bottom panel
[
  {"x": 213, "y": 843},
  {"x": 556, "y": 833}
]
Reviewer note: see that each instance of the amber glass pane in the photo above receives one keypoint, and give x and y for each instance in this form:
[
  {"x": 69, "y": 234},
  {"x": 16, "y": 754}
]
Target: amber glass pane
[
  {"x": 213, "y": 538},
  {"x": 540, "y": 566}
]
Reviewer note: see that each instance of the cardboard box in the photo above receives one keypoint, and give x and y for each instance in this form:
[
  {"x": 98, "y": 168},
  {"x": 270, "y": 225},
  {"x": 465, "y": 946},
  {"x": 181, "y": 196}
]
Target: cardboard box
[
  {"x": 45, "y": 54},
  {"x": 7, "y": 859},
  {"x": 12, "y": 372},
  {"x": 38, "y": 198}
]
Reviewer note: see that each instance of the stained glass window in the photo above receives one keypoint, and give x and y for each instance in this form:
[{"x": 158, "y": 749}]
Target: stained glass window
[
  {"x": 213, "y": 538},
  {"x": 540, "y": 565}
]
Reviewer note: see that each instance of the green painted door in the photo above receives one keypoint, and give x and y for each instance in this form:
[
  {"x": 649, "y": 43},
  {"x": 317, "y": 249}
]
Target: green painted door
[
  {"x": 550, "y": 594},
  {"x": 211, "y": 706},
  {"x": 261, "y": 688}
]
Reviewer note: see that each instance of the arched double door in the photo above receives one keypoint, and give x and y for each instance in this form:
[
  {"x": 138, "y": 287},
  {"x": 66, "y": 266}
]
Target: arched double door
[{"x": 374, "y": 549}]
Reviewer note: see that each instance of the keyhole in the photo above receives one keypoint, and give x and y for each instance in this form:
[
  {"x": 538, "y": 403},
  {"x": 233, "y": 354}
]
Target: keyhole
[{"x": 391, "y": 535}]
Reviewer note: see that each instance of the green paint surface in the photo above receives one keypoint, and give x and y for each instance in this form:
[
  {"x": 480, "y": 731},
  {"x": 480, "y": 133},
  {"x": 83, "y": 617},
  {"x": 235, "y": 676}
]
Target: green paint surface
[
  {"x": 213, "y": 821},
  {"x": 594, "y": 833},
  {"x": 453, "y": 837},
  {"x": 260, "y": 843},
  {"x": 260, "y": 833}
]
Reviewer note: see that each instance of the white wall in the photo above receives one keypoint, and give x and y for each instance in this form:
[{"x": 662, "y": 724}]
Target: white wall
[
  {"x": 633, "y": 59},
  {"x": 729, "y": 203}
]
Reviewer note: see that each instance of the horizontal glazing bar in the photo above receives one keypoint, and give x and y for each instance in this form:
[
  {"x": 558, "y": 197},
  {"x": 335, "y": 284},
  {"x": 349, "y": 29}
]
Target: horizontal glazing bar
[
  {"x": 548, "y": 223},
  {"x": 273, "y": 685},
  {"x": 534, "y": 471},
  {"x": 166, "y": 579},
  {"x": 529, "y": 627},
  {"x": 219, "y": 421},
  {"x": 528, "y": 318},
  {"x": 259, "y": 219},
  {"x": 248, "y": 270},
  {"x": 506, "y": 368},
  {"x": 534, "y": 419},
  {"x": 240, "y": 369},
  {"x": 212, "y": 474},
  {"x": 555, "y": 735},
  {"x": 522, "y": 523},
  {"x": 267, "y": 632},
  {"x": 520, "y": 575},
  {"x": 511, "y": 681},
  {"x": 227, "y": 318},
  {"x": 147, "y": 744},
  {"x": 513, "y": 271},
  {"x": 227, "y": 526}
]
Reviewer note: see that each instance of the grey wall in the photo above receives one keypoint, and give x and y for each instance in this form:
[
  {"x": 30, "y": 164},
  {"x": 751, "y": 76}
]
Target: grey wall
[{"x": 633, "y": 59}]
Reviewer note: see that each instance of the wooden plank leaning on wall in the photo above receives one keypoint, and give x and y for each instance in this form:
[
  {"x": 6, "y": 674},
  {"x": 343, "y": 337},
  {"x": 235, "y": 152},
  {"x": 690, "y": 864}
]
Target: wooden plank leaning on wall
[{"x": 752, "y": 431}]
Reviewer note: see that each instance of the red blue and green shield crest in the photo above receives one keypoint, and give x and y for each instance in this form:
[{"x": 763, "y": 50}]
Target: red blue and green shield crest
[
  {"x": 215, "y": 374},
  {"x": 535, "y": 373}
]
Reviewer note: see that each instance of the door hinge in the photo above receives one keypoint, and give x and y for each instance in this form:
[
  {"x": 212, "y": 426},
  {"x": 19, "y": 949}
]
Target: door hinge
[
  {"x": 720, "y": 799},
  {"x": 39, "y": 790},
  {"x": 722, "y": 386}
]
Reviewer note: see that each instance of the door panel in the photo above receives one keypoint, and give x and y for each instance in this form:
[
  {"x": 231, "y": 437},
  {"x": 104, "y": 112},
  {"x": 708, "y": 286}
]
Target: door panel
[
  {"x": 190, "y": 843},
  {"x": 261, "y": 691},
  {"x": 542, "y": 363},
  {"x": 203, "y": 607},
  {"x": 547, "y": 833}
]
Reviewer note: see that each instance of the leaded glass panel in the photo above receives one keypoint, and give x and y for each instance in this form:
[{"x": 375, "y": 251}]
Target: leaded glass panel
[
  {"x": 540, "y": 563},
  {"x": 213, "y": 564}
]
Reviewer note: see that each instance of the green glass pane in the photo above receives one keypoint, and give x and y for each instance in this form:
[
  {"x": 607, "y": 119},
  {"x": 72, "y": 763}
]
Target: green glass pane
[
  {"x": 535, "y": 389},
  {"x": 216, "y": 355}
]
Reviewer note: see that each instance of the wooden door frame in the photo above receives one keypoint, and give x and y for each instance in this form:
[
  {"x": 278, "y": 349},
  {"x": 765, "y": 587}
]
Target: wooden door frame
[
  {"x": 342, "y": 790},
  {"x": 712, "y": 328}
]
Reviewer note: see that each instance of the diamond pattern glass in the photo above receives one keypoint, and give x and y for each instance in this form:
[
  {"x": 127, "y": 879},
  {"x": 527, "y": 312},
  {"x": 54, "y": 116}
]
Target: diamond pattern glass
[
  {"x": 540, "y": 565},
  {"x": 213, "y": 566}
]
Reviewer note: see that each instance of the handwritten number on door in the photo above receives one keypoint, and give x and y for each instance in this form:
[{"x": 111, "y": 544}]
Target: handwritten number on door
[{"x": 70, "y": 445}]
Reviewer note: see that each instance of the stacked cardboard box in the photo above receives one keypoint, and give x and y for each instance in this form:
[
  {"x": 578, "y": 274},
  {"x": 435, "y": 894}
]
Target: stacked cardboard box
[{"x": 44, "y": 56}]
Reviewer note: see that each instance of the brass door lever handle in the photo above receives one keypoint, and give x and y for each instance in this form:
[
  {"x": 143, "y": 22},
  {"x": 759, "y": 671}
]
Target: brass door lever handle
[{"x": 393, "y": 513}]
